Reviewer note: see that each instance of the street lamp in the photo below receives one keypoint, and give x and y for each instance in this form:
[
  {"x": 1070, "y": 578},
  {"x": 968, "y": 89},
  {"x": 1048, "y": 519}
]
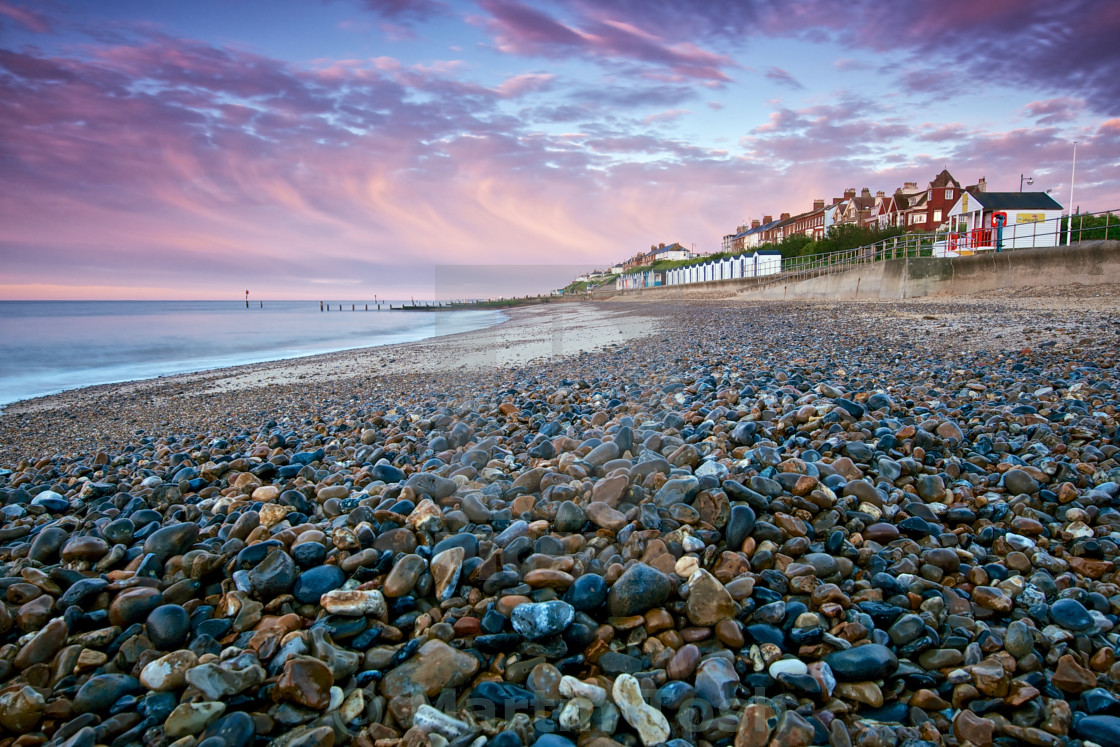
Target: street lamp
[{"x": 1023, "y": 178}]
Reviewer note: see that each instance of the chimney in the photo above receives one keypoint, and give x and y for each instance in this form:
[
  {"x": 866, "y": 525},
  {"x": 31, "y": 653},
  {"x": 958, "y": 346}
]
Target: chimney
[
  {"x": 880, "y": 194},
  {"x": 767, "y": 219},
  {"x": 910, "y": 185},
  {"x": 982, "y": 185},
  {"x": 652, "y": 248},
  {"x": 785, "y": 216},
  {"x": 837, "y": 200},
  {"x": 818, "y": 204},
  {"x": 850, "y": 192},
  {"x": 865, "y": 193},
  {"x": 661, "y": 245},
  {"x": 755, "y": 223}
]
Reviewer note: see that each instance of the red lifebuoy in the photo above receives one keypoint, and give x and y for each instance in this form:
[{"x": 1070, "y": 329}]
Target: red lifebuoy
[{"x": 1000, "y": 214}]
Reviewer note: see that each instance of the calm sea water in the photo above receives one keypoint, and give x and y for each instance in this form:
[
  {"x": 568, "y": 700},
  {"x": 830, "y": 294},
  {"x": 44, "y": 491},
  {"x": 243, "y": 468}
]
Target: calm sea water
[{"x": 50, "y": 346}]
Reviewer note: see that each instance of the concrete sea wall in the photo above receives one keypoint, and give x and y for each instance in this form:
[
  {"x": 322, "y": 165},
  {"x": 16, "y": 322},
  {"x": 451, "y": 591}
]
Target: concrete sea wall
[{"x": 1087, "y": 263}]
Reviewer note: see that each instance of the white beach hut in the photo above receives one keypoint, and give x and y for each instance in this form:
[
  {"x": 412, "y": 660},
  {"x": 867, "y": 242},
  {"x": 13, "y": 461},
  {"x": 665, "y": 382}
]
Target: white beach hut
[{"x": 1030, "y": 219}]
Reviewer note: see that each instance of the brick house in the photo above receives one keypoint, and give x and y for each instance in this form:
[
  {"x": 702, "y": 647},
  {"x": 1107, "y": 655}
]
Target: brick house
[
  {"x": 811, "y": 224},
  {"x": 927, "y": 210}
]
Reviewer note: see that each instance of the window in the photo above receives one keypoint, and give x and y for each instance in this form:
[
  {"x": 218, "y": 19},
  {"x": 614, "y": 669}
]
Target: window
[
  {"x": 929, "y": 195},
  {"x": 936, "y": 216},
  {"x": 948, "y": 194}
]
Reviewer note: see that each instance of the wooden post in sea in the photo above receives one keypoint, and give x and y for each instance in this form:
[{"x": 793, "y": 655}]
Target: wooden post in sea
[
  {"x": 320, "y": 306},
  {"x": 246, "y": 299}
]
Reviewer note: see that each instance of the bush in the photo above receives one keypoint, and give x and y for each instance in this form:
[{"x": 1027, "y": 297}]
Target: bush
[
  {"x": 1093, "y": 227},
  {"x": 838, "y": 239}
]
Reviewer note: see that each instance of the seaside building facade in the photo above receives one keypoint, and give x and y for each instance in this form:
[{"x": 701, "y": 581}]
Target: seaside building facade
[{"x": 1029, "y": 219}]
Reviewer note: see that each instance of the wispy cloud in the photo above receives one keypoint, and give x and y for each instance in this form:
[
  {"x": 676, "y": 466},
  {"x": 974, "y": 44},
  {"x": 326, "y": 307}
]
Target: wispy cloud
[
  {"x": 783, "y": 77},
  {"x": 524, "y": 30}
]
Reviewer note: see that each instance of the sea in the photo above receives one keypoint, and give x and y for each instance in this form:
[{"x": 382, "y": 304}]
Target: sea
[{"x": 51, "y": 346}]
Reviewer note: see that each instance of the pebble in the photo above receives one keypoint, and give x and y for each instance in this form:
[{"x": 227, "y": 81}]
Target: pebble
[
  {"x": 1071, "y": 615},
  {"x": 638, "y": 589},
  {"x": 313, "y": 583},
  {"x": 168, "y": 626},
  {"x": 854, "y": 529},
  {"x": 650, "y": 724},
  {"x": 542, "y": 619}
]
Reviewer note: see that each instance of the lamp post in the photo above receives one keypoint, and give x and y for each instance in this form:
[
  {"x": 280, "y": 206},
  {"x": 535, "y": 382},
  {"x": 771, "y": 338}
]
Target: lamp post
[
  {"x": 1023, "y": 178},
  {"x": 1069, "y": 209}
]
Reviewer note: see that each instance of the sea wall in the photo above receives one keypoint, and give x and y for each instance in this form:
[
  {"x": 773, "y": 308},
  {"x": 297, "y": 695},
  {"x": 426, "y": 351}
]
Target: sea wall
[{"x": 1087, "y": 263}]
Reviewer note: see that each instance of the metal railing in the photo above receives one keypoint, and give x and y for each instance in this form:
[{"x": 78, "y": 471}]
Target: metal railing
[{"x": 1056, "y": 232}]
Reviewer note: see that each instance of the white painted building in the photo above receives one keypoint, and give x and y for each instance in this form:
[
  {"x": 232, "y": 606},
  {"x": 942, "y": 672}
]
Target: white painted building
[
  {"x": 1030, "y": 219},
  {"x": 755, "y": 264}
]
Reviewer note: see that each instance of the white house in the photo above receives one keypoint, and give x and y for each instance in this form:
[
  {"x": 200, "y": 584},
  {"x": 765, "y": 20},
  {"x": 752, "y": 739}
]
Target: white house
[
  {"x": 673, "y": 252},
  {"x": 1029, "y": 219}
]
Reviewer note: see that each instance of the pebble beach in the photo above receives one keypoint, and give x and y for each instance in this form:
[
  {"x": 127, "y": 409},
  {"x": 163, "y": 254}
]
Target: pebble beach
[{"x": 714, "y": 522}]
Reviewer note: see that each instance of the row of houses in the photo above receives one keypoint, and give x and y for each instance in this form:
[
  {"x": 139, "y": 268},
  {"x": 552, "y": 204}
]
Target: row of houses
[
  {"x": 909, "y": 207},
  {"x": 966, "y": 216},
  {"x": 661, "y": 252}
]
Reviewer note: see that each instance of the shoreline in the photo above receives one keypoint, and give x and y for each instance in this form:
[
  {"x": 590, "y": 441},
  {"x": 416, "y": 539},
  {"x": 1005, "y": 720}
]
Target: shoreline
[
  {"x": 529, "y": 333},
  {"x": 202, "y": 360}
]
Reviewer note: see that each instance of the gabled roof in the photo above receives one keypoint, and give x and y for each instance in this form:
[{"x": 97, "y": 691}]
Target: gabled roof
[
  {"x": 1016, "y": 200},
  {"x": 944, "y": 179}
]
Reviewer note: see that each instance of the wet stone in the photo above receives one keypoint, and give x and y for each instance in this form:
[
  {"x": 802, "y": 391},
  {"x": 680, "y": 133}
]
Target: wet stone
[
  {"x": 1071, "y": 615},
  {"x": 313, "y": 583},
  {"x": 638, "y": 589},
  {"x": 861, "y": 663},
  {"x": 168, "y": 626},
  {"x": 535, "y": 621}
]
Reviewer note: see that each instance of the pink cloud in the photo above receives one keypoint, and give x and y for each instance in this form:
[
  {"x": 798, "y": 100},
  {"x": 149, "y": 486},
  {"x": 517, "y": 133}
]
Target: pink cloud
[
  {"x": 29, "y": 19},
  {"x": 666, "y": 116},
  {"x": 519, "y": 85},
  {"x": 520, "y": 29},
  {"x": 1052, "y": 111},
  {"x": 174, "y": 158},
  {"x": 1038, "y": 45}
]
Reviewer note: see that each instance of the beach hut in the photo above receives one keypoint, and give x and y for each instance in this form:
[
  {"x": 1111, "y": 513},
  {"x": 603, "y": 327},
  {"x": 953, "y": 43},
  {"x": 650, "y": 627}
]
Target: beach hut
[
  {"x": 767, "y": 262},
  {"x": 1029, "y": 219}
]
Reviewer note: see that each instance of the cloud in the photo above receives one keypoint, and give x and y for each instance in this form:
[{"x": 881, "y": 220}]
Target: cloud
[
  {"x": 1052, "y": 111},
  {"x": 783, "y": 77},
  {"x": 1036, "y": 45},
  {"x": 28, "y": 19},
  {"x": 173, "y": 158},
  {"x": 210, "y": 164},
  {"x": 523, "y": 30},
  {"x": 525, "y": 83},
  {"x": 406, "y": 10},
  {"x": 666, "y": 116}
]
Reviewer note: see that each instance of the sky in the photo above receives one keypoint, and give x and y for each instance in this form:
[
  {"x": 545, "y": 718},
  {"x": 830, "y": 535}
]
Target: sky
[{"x": 337, "y": 149}]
